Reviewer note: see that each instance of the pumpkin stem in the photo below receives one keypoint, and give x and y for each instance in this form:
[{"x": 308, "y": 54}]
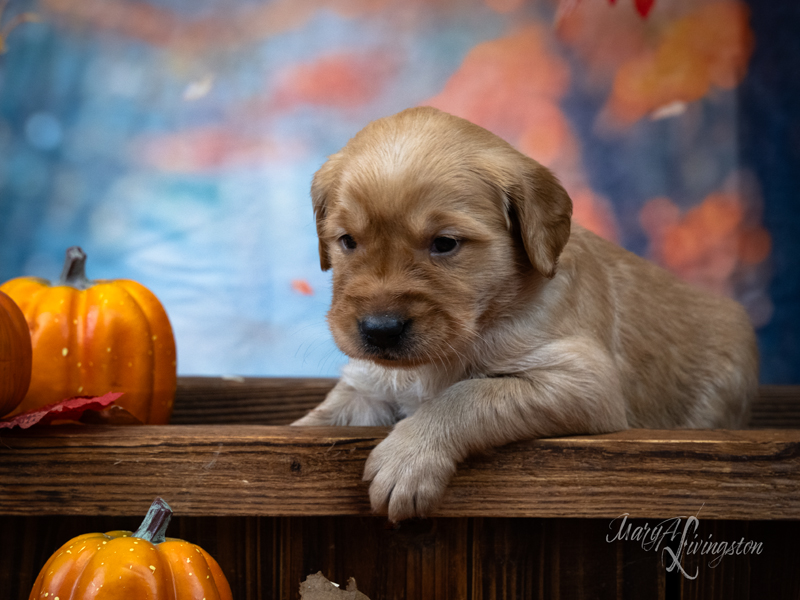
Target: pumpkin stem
[
  {"x": 74, "y": 273},
  {"x": 154, "y": 526}
]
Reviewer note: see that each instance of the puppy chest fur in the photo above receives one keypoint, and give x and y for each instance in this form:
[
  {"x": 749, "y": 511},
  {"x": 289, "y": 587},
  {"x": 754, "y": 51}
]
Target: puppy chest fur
[{"x": 476, "y": 313}]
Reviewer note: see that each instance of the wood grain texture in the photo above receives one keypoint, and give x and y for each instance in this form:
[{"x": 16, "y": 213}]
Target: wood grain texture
[
  {"x": 246, "y": 400},
  {"x": 274, "y": 504},
  {"x": 279, "y": 401},
  {"x": 265, "y": 558},
  {"x": 288, "y": 471},
  {"x": 778, "y": 406}
]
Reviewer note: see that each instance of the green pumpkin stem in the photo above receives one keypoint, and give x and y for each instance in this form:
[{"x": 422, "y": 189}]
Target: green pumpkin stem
[
  {"x": 74, "y": 273},
  {"x": 155, "y": 523}
]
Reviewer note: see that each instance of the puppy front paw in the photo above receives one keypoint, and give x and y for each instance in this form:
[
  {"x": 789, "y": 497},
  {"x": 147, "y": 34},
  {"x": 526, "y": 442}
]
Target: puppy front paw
[{"x": 408, "y": 476}]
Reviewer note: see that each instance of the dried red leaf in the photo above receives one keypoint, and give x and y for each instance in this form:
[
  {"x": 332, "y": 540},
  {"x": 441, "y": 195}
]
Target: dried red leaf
[
  {"x": 70, "y": 409},
  {"x": 644, "y": 6}
]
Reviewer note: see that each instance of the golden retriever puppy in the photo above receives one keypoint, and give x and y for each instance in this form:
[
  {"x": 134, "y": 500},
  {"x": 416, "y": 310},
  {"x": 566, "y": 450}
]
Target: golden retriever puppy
[{"x": 475, "y": 313}]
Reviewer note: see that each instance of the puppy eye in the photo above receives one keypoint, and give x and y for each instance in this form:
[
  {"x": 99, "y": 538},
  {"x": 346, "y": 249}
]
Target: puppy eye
[
  {"x": 444, "y": 245},
  {"x": 347, "y": 242}
]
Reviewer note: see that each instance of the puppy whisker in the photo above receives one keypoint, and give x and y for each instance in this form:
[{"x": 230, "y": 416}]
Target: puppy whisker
[{"x": 461, "y": 359}]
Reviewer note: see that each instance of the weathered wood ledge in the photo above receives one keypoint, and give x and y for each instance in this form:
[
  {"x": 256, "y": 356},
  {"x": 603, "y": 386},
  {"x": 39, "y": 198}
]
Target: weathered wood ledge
[
  {"x": 257, "y": 470},
  {"x": 281, "y": 400},
  {"x": 229, "y": 452}
]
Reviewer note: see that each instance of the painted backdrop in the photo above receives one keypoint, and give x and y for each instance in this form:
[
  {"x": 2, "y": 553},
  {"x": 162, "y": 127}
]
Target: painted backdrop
[{"x": 175, "y": 140}]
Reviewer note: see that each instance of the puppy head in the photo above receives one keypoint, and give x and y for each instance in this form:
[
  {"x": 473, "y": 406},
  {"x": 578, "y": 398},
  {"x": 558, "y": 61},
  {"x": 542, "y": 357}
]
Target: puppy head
[{"x": 432, "y": 226}]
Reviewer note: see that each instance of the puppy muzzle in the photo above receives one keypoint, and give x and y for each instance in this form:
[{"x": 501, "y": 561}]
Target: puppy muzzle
[{"x": 383, "y": 332}]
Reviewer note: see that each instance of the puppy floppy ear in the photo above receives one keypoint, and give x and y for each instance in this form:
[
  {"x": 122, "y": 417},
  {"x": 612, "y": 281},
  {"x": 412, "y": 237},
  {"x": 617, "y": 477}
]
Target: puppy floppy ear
[
  {"x": 324, "y": 183},
  {"x": 539, "y": 204}
]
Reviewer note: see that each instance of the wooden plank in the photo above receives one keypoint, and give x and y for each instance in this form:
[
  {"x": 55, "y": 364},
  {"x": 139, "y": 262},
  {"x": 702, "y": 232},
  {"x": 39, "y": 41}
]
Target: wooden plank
[
  {"x": 265, "y": 558},
  {"x": 279, "y": 401},
  {"x": 246, "y": 400},
  {"x": 247, "y": 470},
  {"x": 778, "y": 407},
  {"x": 418, "y": 559}
]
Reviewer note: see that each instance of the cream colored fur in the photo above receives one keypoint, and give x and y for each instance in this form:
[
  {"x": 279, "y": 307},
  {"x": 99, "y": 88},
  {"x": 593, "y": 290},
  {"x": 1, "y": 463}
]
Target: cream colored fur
[{"x": 533, "y": 327}]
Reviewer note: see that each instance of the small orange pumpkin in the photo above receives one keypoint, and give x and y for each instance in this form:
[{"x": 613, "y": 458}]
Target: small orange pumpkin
[
  {"x": 15, "y": 355},
  {"x": 143, "y": 565},
  {"x": 94, "y": 337}
]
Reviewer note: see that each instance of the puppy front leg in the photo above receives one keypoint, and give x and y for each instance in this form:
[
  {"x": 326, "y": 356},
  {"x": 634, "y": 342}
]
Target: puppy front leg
[
  {"x": 411, "y": 468},
  {"x": 345, "y": 405}
]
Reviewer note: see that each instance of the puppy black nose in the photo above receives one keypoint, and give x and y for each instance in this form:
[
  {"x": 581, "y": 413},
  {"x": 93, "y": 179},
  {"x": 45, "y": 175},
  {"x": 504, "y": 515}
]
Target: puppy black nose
[{"x": 384, "y": 331}]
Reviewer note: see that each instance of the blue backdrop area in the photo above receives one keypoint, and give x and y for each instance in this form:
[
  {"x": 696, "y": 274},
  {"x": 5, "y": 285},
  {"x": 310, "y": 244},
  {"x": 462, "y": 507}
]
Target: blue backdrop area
[{"x": 770, "y": 142}]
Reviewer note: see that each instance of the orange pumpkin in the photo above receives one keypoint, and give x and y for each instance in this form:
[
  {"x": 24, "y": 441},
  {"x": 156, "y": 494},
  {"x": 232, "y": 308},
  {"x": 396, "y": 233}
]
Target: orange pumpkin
[
  {"x": 15, "y": 355},
  {"x": 143, "y": 565},
  {"x": 94, "y": 337}
]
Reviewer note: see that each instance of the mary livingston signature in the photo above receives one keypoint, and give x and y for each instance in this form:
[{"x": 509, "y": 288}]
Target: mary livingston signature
[{"x": 656, "y": 537}]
